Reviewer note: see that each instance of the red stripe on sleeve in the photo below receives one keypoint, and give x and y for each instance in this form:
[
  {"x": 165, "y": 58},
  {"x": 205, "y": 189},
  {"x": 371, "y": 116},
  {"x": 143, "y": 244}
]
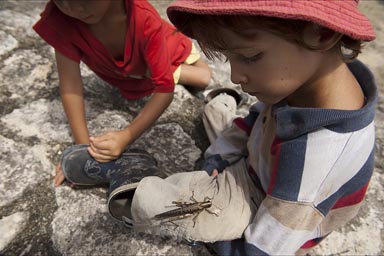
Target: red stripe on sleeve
[
  {"x": 352, "y": 199},
  {"x": 275, "y": 152},
  {"x": 240, "y": 122},
  {"x": 312, "y": 242},
  {"x": 309, "y": 244}
]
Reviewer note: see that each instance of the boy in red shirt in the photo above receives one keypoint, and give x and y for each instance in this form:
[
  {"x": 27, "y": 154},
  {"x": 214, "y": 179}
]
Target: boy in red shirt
[{"x": 128, "y": 45}]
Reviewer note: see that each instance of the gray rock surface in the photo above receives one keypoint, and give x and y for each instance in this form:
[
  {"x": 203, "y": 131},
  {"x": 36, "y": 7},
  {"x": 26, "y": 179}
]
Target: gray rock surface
[{"x": 37, "y": 219}]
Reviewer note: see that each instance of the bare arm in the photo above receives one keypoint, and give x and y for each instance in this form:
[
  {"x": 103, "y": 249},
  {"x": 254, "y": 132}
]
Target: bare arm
[
  {"x": 71, "y": 91},
  {"x": 149, "y": 114},
  {"x": 109, "y": 146}
]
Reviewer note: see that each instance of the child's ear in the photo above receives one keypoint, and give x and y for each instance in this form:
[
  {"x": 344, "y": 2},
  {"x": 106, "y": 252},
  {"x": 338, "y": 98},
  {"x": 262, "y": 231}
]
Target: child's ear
[{"x": 321, "y": 38}]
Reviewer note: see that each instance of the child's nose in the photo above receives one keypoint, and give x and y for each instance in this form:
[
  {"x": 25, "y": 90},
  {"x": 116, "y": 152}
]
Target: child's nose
[{"x": 237, "y": 76}]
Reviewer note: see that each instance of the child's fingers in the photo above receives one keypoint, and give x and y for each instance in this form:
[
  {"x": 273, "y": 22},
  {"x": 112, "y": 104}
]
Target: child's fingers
[
  {"x": 59, "y": 177},
  {"x": 97, "y": 154},
  {"x": 215, "y": 172},
  {"x": 100, "y": 143},
  {"x": 106, "y": 148},
  {"x": 102, "y": 158},
  {"x": 101, "y": 138},
  {"x": 97, "y": 150}
]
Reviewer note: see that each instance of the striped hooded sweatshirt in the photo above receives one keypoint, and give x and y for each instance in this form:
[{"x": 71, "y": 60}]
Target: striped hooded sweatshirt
[{"x": 313, "y": 164}]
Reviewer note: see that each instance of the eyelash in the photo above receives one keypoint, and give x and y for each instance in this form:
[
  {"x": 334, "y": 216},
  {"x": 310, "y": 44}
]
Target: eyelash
[
  {"x": 250, "y": 60},
  {"x": 246, "y": 60}
]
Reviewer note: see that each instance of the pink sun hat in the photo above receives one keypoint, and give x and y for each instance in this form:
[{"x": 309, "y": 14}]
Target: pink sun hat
[{"x": 342, "y": 16}]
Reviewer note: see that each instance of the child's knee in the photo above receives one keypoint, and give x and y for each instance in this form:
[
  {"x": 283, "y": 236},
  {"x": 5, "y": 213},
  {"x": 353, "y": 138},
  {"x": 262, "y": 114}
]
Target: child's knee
[{"x": 222, "y": 105}]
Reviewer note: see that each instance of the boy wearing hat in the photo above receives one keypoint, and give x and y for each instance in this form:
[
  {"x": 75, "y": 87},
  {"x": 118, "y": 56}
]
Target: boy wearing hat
[{"x": 298, "y": 166}]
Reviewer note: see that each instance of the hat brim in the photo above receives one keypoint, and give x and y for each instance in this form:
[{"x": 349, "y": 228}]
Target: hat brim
[{"x": 340, "y": 16}]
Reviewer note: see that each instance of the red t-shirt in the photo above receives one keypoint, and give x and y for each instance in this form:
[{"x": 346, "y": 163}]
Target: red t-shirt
[{"x": 153, "y": 48}]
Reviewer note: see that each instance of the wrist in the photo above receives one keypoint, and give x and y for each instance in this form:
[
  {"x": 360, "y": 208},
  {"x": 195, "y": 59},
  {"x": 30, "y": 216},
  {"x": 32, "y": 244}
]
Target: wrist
[
  {"x": 127, "y": 136},
  {"x": 81, "y": 138}
]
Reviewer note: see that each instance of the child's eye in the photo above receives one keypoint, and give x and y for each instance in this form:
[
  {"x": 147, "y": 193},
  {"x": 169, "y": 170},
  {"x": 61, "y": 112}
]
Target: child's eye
[{"x": 250, "y": 60}]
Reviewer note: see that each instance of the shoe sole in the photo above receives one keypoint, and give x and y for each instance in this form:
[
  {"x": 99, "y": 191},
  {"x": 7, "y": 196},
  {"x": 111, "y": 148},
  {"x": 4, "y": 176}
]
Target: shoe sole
[{"x": 117, "y": 207}]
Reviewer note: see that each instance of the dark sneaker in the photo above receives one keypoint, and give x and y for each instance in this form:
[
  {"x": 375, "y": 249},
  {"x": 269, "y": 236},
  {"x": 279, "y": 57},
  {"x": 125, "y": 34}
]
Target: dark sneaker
[
  {"x": 124, "y": 181},
  {"x": 80, "y": 168},
  {"x": 122, "y": 175},
  {"x": 120, "y": 201}
]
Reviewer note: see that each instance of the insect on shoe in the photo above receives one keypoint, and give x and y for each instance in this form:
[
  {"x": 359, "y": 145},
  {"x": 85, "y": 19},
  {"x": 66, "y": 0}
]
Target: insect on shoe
[{"x": 122, "y": 175}]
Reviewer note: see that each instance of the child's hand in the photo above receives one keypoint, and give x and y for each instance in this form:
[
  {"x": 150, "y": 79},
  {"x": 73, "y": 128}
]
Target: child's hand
[
  {"x": 59, "y": 177},
  {"x": 107, "y": 147},
  {"x": 215, "y": 172}
]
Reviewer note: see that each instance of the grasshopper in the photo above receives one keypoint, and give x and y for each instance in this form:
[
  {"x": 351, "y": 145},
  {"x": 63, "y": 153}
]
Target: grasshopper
[{"x": 185, "y": 210}]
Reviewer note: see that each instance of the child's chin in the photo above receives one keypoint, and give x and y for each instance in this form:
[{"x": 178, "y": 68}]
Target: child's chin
[{"x": 264, "y": 99}]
